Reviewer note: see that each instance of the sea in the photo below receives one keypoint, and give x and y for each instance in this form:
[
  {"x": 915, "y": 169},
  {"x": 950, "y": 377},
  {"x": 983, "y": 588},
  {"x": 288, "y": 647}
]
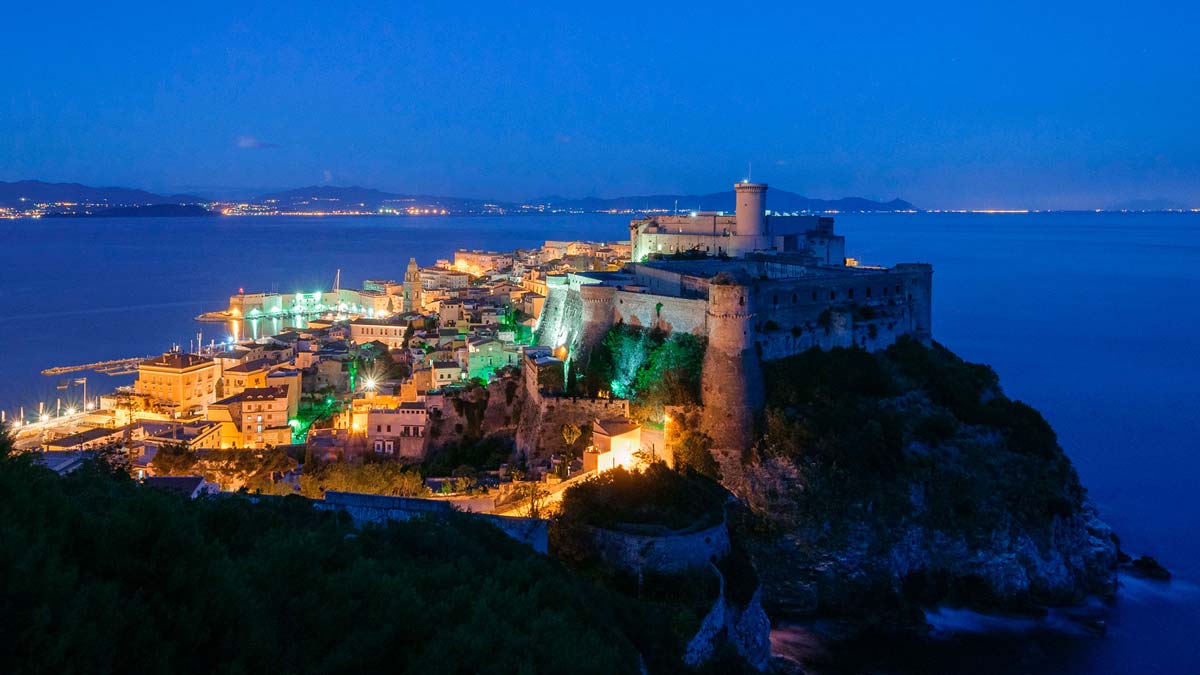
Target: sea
[{"x": 1092, "y": 318}]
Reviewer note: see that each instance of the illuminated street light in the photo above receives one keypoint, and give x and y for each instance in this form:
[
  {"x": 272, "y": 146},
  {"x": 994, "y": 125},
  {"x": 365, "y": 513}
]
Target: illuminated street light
[
  {"x": 70, "y": 411},
  {"x": 369, "y": 384}
]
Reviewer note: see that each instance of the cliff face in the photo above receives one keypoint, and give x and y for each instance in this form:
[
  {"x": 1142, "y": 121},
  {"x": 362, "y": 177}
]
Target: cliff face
[
  {"x": 1013, "y": 569},
  {"x": 886, "y": 482}
]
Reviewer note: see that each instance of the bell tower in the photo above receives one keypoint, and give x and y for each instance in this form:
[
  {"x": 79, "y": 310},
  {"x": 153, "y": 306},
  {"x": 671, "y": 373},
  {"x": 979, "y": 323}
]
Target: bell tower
[{"x": 412, "y": 287}]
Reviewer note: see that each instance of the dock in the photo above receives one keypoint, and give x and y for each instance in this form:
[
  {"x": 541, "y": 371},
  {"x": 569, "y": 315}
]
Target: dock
[{"x": 110, "y": 367}]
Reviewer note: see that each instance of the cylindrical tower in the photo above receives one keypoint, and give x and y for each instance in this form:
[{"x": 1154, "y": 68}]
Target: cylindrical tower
[
  {"x": 751, "y": 209},
  {"x": 597, "y": 313},
  {"x": 731, "y": 381}
]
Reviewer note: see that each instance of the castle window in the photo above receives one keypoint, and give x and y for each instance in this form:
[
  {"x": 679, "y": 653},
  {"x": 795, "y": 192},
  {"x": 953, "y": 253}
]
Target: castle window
[
  {"x": 850, "y": 293},
  {"x": 814, "y": 296},
  {"x": 897, "y": 288},
  {"x": 833, "y": 295},
  {"x": 868, "y": 291},
  {"x": 794, "y": 300},
  {"x": 741, "y": 299},
  {"x": 775, "y": 299}
]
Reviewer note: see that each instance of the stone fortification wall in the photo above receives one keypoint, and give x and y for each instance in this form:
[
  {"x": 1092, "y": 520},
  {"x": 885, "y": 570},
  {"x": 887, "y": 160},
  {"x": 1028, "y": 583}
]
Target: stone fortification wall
[
  {"x": 364, "y": 508},
  {"x": 666, "y": 553},
  {"x": 539, "y": 431},
  {"x": 561, "y": 320},
  {"x": 671, "y": 314},
  {"x": 868, "y": 310},
  {"x": 578, "y": 316}
]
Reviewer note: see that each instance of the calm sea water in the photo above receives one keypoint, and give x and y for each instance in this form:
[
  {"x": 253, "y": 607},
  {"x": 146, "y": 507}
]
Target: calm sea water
[{"x": 1091, "y": 318}]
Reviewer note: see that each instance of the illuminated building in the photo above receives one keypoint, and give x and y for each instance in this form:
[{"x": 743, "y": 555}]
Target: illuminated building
[
  {"x": 183, "y": 382},
  {"x": 748, "y": 230},
  {"x": 479, "y": 263},
  {"x": 363, "y": 331},
  {"x": 412, "y": 287},
  {"x": 615, "y": 442},
  {"x": 398, "y": 431},
  {"x": 264, "y": 417}
]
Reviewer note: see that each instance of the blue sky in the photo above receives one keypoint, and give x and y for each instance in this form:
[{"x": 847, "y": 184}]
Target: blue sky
[{"x": 1075, "y": 105}]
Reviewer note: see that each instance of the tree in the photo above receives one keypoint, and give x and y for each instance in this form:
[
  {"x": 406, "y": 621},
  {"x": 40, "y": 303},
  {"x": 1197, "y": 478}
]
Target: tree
[
  {"x": 571, "y": 433},
  {"x": 694, "y": 450},
  {"x": 7, "y": 446}
]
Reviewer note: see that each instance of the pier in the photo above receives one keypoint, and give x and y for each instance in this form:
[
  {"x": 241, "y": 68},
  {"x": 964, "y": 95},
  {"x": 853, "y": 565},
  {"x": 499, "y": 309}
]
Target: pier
[{"x": 124, "y": 366}]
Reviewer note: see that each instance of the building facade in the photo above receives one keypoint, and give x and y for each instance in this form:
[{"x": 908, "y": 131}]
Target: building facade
[{"x": 185, "y": 383}]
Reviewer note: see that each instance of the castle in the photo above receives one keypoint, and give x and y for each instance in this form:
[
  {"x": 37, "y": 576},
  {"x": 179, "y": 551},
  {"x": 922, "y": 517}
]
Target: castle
[{"x": 758, "y": 288}]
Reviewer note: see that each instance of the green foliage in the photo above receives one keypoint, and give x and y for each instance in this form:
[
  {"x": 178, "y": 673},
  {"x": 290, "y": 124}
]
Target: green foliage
[
  {"x": 6, "y": 442},
  {"x": 377, "y": 478},
  {"x": 913, "y": 433},
  {"x": 693, "y": 450},
  {"x": 656, "y": 496},
  {"x": 256, "y": 470},
  {"x": 485, "y": 454},
  {"x": 100, "y": 575},
  {"x": 647, "y": 366}
]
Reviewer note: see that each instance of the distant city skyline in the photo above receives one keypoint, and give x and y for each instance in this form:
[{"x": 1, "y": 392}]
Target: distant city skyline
[{"x": 1023, "y": 106}]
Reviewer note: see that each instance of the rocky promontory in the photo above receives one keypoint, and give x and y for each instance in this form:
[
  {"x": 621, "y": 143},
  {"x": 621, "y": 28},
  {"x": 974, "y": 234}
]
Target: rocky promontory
[{"x": 891, "y": 481}]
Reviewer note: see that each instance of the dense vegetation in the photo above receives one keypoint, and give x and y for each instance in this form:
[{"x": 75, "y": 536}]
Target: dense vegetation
[
  {"x": 647, "y": 366},
  {"x": 99, "y": 574},
  {"x": 912, "y": 433},
  {"x": 654, "y": 496},
  {"x": 374, "y": 477}
]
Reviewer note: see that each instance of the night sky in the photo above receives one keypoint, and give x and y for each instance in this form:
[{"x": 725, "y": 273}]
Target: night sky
[{"x": 948, "y": 105}]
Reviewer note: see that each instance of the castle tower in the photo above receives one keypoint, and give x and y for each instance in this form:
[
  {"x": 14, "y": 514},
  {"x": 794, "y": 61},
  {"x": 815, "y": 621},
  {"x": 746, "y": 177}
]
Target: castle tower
[
  {"x": 412, "y": 287},
  {"x": 751, "y": 209},
  {"x": 731, "y": 385},
  {"x": 597, "y": 314}
]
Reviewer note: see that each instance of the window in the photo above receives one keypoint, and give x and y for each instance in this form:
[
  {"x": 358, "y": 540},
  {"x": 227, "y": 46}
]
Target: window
[
  {"x": 868, "y": 291},
  {"x": 378, "y": 428},
  {"x": 850, "y": 293},
  {"x": 833, "y": 295}
]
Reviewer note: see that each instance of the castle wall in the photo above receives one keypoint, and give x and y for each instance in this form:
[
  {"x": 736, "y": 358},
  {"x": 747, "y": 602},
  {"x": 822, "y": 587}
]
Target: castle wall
[
  {"x": 561, "y": 320},
  {"x": 366, "y": 508},
  {"x": 865, "y": 310},
  {"x": 672, "y": 314},
  {"x": 669, "y": 552},
  {"x": 539, "y": 431}
]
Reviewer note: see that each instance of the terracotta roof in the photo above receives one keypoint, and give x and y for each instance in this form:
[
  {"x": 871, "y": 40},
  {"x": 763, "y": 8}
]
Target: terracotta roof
[
  {"x": 264, "y": 393},
  {"x": 614, "y": 427},
  {"x": 177, "y": 360}
]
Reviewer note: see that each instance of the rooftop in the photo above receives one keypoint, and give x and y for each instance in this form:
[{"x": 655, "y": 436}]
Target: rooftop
[
  {"x": 264, "y": 393},
  {"x": 177, "y": 361},
  {"x": 614, "y": 427}
]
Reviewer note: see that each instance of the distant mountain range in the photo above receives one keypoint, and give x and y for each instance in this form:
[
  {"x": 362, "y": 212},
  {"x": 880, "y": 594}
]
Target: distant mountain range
[
  {"x": 308, "y": 198},
  {"x": 777, "y": 200},
  {"x": 26, "y": 194}
]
